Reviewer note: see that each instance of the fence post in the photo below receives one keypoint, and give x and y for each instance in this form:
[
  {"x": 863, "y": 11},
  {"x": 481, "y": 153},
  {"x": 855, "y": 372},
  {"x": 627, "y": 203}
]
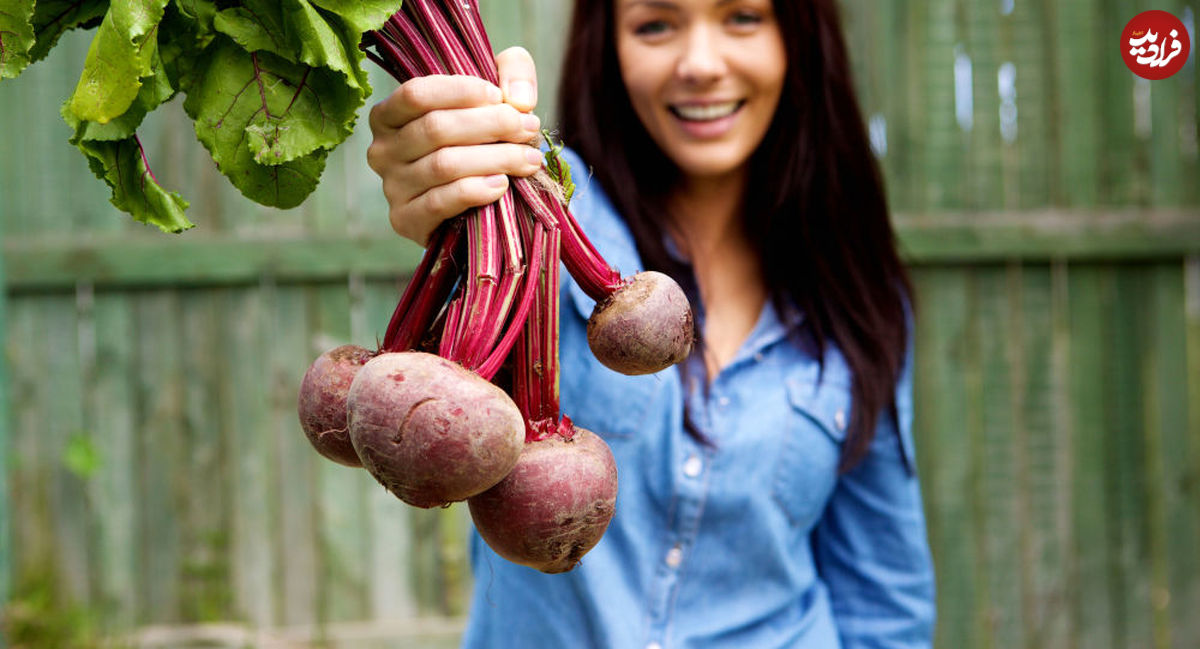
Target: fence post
[{"x": 5, "y": 440}]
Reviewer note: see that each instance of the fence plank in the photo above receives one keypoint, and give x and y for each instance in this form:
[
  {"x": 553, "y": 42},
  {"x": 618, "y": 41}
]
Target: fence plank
[
  {"x": 1175, "y": 562},
  {"x": 246, "y": 422},
  {"x": 112, "y": 408},
  {"x": 1092, "y": 512},
  {"x": 947, "y": 436},
  {"x": 161, "y": 460},
  {"x": 204, "y": 503},
  {"x": 294, "y": 535},
  {"x": 1125, "y": 457}
]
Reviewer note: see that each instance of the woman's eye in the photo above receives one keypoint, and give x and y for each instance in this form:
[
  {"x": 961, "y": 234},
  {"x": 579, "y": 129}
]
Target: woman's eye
[
  {"x": 745, "y": 18},
  {"x": 651, "y": 28}
]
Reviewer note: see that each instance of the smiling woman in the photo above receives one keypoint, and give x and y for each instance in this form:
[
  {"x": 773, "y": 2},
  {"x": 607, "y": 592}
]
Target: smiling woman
[
  {"x": 768, "y": 497},
  {"x": 703, "y": 78}
]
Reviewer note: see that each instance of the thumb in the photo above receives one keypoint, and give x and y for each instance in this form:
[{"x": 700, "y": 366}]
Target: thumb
[{"x": 518, "y": 78}]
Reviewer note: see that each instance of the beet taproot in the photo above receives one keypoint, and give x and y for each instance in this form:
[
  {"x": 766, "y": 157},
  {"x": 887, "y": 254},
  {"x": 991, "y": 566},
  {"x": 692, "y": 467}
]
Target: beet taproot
[
  {"x": 554, "y": 506},
  {"x": 644, "y": 327},
  {"x": 431, "y": 431},
  {"x": 322, "y": 402}
]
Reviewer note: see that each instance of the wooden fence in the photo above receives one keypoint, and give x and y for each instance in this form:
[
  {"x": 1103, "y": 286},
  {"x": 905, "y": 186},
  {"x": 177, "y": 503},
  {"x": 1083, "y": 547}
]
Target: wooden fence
[{"x": 156, "y": 488}]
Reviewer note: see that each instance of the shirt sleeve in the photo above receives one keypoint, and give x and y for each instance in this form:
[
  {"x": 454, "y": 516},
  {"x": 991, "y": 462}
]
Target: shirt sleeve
[{"x": 871, "y": 546}]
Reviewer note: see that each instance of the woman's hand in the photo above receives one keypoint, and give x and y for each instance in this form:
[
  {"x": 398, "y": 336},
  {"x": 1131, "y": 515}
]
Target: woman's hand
[{"x": 445, "y": 144}]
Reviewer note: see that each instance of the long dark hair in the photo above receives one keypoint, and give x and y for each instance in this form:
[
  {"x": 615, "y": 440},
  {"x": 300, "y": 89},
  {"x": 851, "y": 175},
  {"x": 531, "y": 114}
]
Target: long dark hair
[{"x": 815, "y": 206}]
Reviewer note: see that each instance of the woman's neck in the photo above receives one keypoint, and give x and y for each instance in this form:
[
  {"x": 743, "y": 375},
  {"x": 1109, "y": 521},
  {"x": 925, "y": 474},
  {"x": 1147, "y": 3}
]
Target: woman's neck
[{"x": 707, "y": 214}]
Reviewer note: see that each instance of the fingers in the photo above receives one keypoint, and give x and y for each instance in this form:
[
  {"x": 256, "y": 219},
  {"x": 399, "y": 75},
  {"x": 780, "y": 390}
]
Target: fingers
[
  {"x": 518, "y": 78},
  {"x": 417, "y": 218},
  {"x": 464, "y": 126},
  {"x": 421, "y": 95}
]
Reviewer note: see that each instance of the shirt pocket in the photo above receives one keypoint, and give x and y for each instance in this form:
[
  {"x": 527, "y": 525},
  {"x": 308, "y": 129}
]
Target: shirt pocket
[{"x": 810, "y": 446}]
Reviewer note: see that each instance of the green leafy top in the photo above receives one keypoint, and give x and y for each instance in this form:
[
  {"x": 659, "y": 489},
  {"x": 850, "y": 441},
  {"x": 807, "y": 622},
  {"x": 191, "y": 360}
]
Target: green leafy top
[
  {"x": 557, "y": 167},
  {"x": 272, "y": 86}
]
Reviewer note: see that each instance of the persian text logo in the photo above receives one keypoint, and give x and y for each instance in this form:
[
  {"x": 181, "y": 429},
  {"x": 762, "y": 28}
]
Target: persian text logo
[{"x": 1155, "y": 44}]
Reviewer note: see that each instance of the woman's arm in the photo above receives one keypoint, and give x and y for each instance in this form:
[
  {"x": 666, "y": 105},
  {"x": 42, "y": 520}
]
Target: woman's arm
[{"x": 871, "y": 547}]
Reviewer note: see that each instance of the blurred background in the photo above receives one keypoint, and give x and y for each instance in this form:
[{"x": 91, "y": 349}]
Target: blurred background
[{"x": 157, "y": 490}]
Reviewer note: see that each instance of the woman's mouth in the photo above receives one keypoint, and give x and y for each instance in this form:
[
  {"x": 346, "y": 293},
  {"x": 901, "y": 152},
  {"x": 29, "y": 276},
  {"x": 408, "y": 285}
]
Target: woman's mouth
[
  {"x": 705, "y": 112},
  {"x": 706, "y": 121}
]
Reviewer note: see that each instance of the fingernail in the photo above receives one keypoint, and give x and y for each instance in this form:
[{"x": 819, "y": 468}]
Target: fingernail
[
  {"x": 497, "y": 180},
  {"x": 520, "y": 92},
  {"x": 534, "y": 156},
  {"x": 530, "y": 122}
]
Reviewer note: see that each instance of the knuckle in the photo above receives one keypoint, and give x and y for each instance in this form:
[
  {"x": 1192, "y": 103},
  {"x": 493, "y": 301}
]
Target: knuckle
[
  {"x": 442, "y": 165},
  {"x": 375, "y": 157},
  {"x": 415, "y": 93},
  {"x": 435, "y": 126}
]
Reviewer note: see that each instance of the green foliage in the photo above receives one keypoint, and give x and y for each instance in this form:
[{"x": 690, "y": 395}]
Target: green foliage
[
  {"x": 558, "y": 168},
  {"x": 81, "y": 457},
  {"x": 37, "y": 617},
  {"x": 272, "y": 86}
]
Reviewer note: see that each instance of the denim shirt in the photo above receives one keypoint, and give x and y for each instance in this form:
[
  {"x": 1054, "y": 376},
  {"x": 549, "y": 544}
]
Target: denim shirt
[{"x": 753, "y": 541}]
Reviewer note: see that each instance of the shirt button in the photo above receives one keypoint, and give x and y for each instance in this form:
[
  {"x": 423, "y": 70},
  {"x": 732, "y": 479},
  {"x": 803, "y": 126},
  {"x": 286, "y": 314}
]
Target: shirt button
[
  {"x": 674, "y": 557},
  {"x": 839, "y": 419},
  {"x": 693, "y": 466},
  {"x": 758, "y": 357},
  {"x": 654, "y": 645},
  {"x": 723, "y": 401}
]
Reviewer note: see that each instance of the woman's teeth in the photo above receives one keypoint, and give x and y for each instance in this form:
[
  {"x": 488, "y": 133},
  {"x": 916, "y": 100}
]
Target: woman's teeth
[{"x": 706, "y": 113}]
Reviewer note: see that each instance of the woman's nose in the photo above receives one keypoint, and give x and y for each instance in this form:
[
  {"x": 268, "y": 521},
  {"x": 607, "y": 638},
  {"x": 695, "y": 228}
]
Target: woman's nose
[{"x": 701, "y": 61}]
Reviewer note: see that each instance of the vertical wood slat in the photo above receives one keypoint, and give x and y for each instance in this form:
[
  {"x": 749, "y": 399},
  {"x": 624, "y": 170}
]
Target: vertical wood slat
[
  {"x": 111, "y": 407},
  {"x": 253, "y": 562},
  {"x": 1092, "y": 608},
  {"x": 161, "y": 454},
  {"x": 945, "y": 439},
  {"x": 203, "y": 504},
  {"x": 1191, "y": 289},
  {"x": 293, "y": 531}
]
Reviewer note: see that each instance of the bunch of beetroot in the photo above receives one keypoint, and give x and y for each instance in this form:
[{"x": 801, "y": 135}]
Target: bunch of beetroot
[{"x": 422, "y": 414}]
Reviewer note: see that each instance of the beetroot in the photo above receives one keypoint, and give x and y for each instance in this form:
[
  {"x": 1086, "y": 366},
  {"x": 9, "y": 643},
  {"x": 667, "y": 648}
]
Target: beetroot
[
  {"x": 431, "y": 431},
  {"x": 322, "y": 403},
  {"x": 555, "y": 504},
  {"x": 644, "y": 327}
]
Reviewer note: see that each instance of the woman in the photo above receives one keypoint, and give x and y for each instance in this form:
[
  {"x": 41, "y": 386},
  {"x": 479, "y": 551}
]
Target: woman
[{"x": 768, "y": 495}]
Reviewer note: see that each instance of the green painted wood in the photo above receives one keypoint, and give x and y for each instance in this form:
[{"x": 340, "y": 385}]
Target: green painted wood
[
  {"x": 111, "y": 406},
  {"x": 161, "y": 454},
  {"x": 1124, "y": 398},
  {"x": 1078, "y": 58},
  {"x": 980, "y": 46},
  {"x": 1000, "y": 481},
  {"x": 6, "y": 438},
  {"x": 945, "y": 438},
  {"x": 192, "y": 260},
  {"x": 1191, "y": 486},
  {"x": 1090, "y": 303},
  {"x": 246, "y": 331},
  {"x": 204, "y": 508},
  {"x": 294, "y": 532},
  {"x": 1175, "y": 563}
]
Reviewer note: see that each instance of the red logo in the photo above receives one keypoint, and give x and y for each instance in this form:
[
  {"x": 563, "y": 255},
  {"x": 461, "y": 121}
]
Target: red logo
[{"x": 1155, "y": 45}]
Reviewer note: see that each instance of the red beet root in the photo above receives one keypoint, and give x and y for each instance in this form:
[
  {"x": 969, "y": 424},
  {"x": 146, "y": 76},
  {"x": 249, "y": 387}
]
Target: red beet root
[
  {"x": 431, "y": 431},
  {"x": 555, "y": 504},
  {"x": 644, "y": 327},
  {"x": 322, "y": 403}
]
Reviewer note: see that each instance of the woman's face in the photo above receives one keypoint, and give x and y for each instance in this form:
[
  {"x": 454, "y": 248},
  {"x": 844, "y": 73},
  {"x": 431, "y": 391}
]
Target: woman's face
[{"x": 704, "y": 77}]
